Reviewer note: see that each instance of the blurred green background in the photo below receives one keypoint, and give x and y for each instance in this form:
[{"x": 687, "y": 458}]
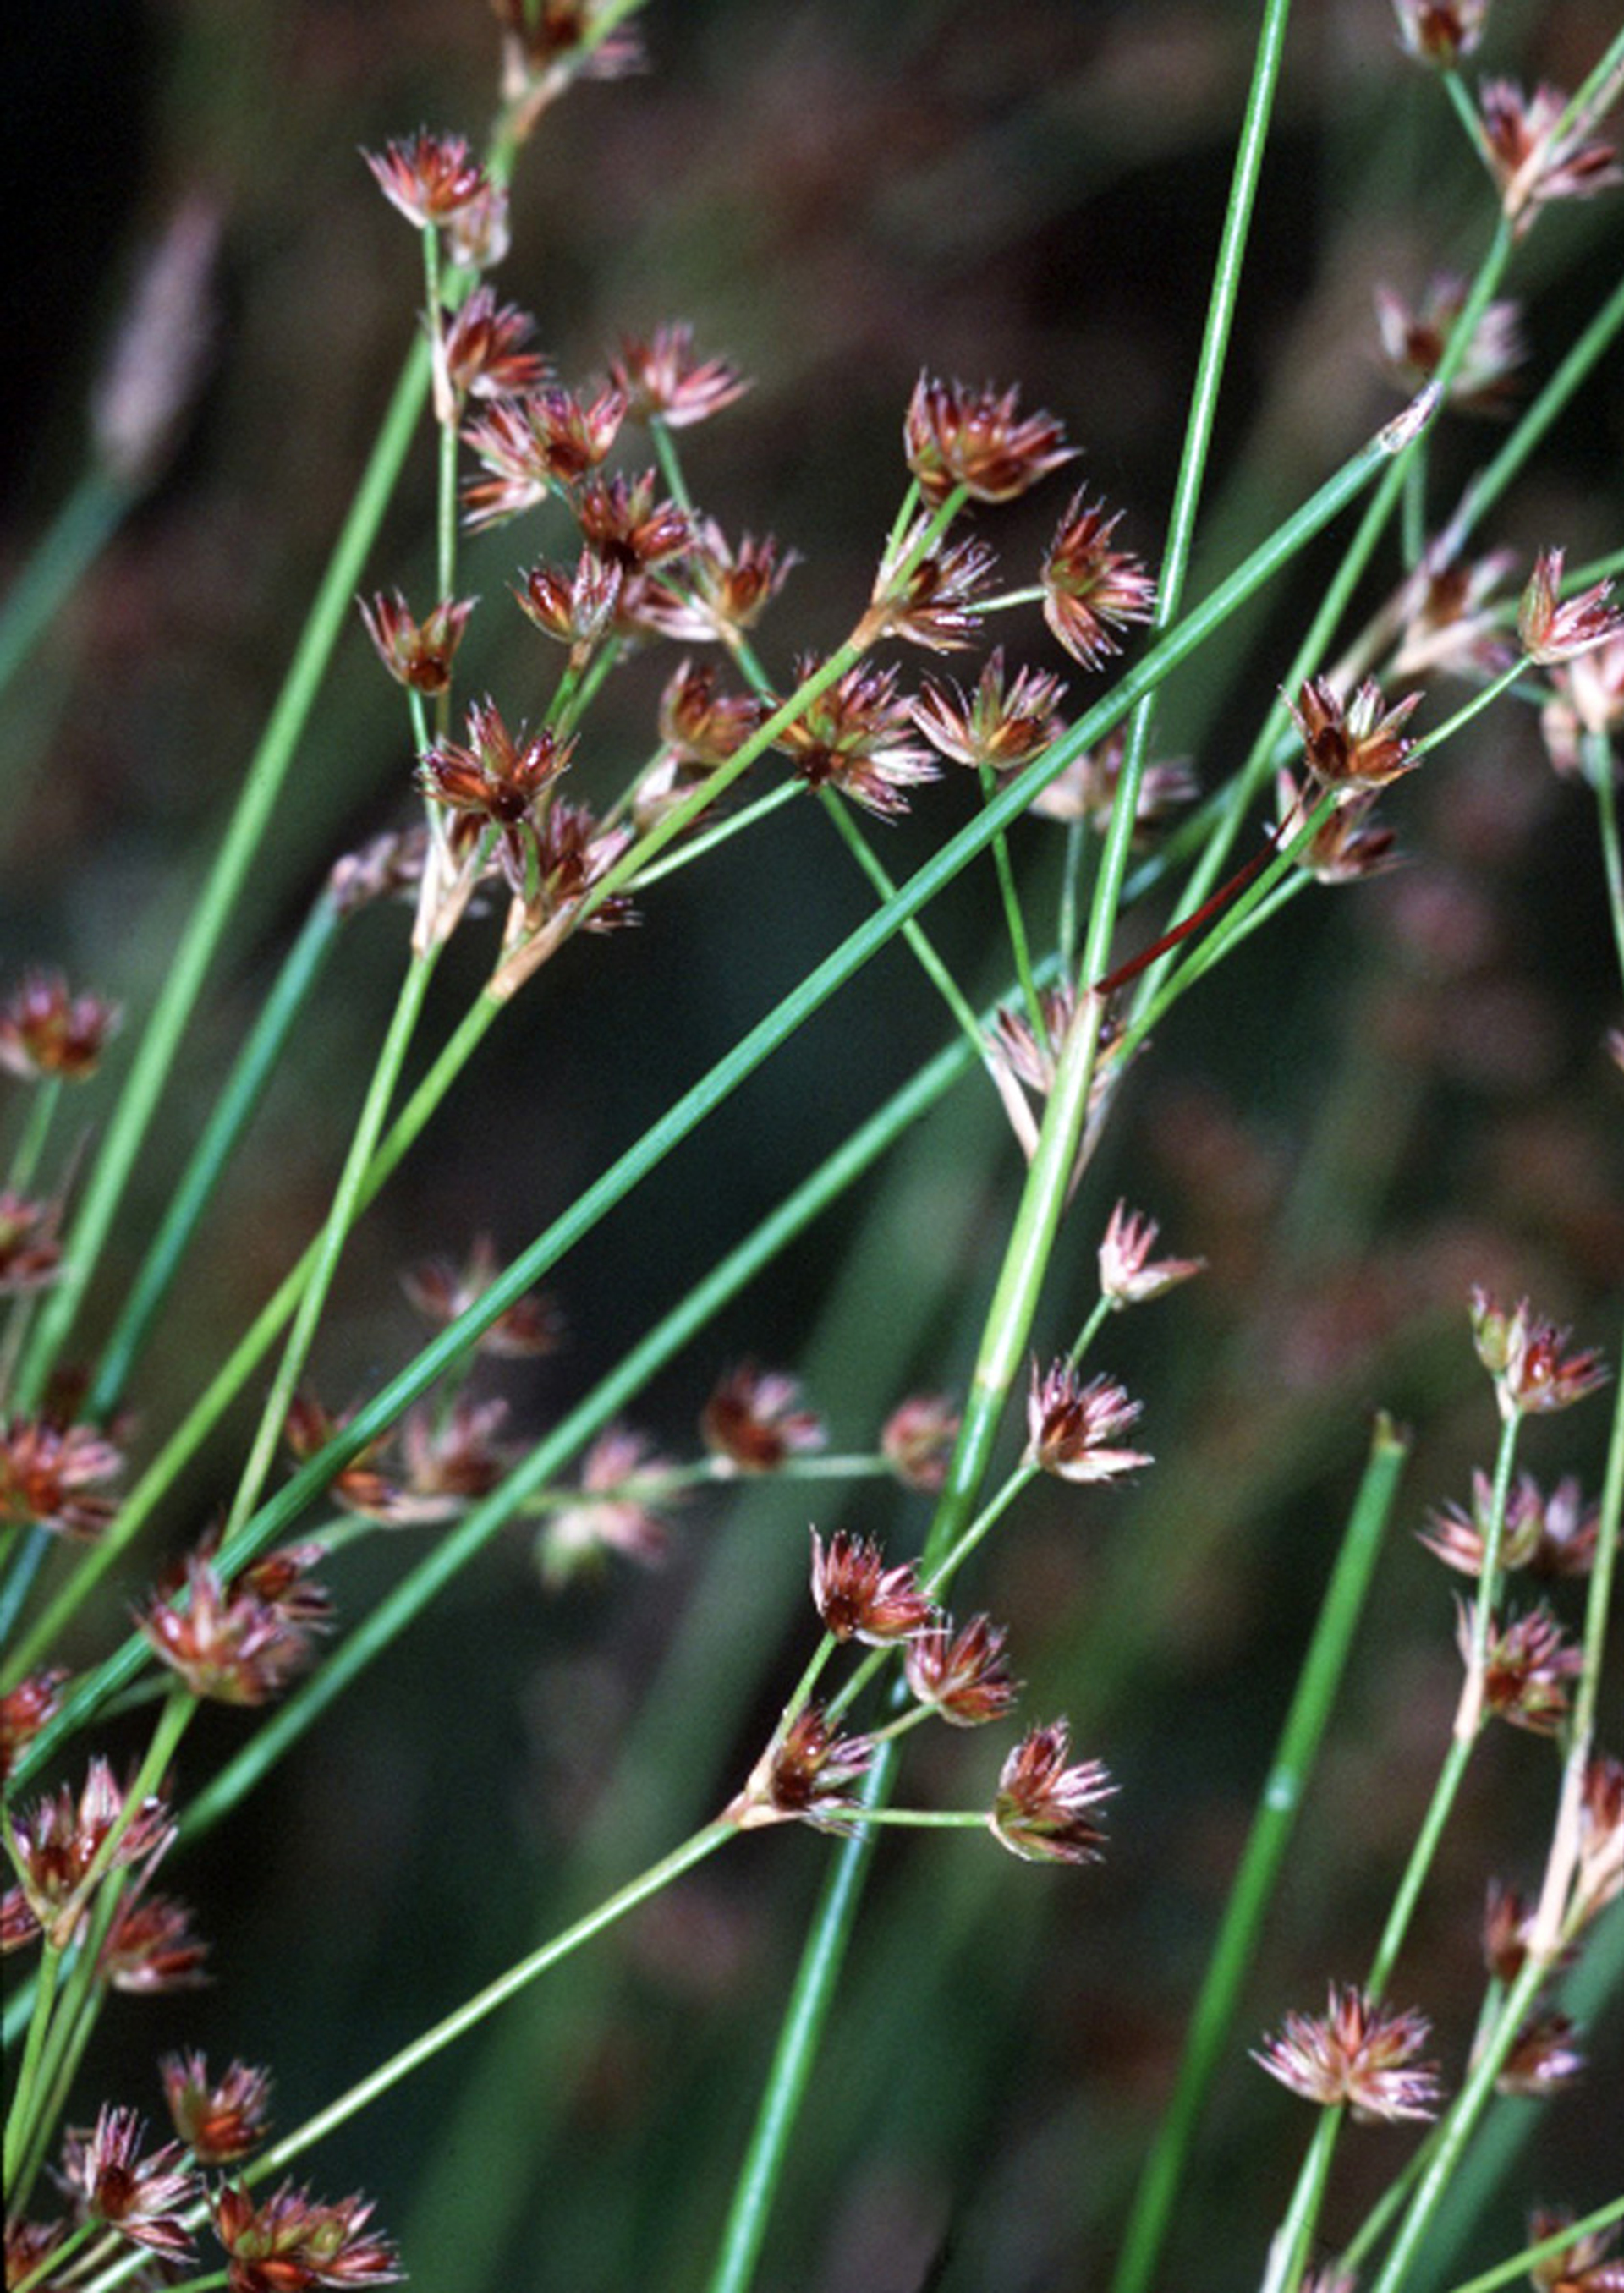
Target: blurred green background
[{"x": 1396, "y": 1092}]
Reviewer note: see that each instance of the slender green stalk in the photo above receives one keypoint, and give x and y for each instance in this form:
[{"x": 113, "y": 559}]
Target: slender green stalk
[
  {"x": 1599, "y": 772},
  {"x": 1335, "y": 603},
  {"x": 171, "y": 1015},
  {"x": 914, "y": 935},
  {"x": 44, "y": 1101},
  {"x": 1538, "y": 418},
  {"x": 1289, "y": 2253},
  {"x": 1468, "y": 1726},
  {"x": 22, "y": 2110},
  {"x": 800, "y": 2037},
  {"x": 256, "y": 1062},
  {"x": 1214, "y": 2015},
  {"x": 62, "y": 556},
  {"x": 1522, "y": 2266},
  {"x": 349, "y": 1200},
  {"x": 474, "y": 2011},
  {"x": 1459, "y": 2124}
]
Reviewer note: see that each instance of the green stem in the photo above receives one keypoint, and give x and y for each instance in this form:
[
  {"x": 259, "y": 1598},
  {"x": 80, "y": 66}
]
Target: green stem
[
  {"x": 800, "y": 2037},
  {"x": 913, "y": 935},
  {"x": 1523, "y": 2264},
  {"x": 1015, "y": 923},
  {"x": 474, "y": 2011},
  {"x": 44, "y": 1101},
  {"x": 722, "y": 832},
  {"x": 349, "y": 1200},
  {"x": 62, "y": 556},
  {"x": 1459, "y": 2124},
  {"x": 233, "y": 1110},
  {"x": 23, "y": 2109},
  {"x": 1213, "y": 2018},
  {"x": 1598, "y": 760},
  {"x": 1289, "y": 2253},
  {"x": 171, "y": 1015}
]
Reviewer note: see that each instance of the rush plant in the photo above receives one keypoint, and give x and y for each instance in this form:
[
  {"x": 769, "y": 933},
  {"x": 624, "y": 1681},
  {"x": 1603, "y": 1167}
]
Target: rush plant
[{"x": 914, "y": 973}]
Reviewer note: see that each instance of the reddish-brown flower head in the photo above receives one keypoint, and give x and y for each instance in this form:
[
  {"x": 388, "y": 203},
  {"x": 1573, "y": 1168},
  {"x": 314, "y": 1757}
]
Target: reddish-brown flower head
[
  {"x": 733, "y": 586},
  {"x": 1348, "y": 846},
  {"x": 1524, "y": 1358},
  {"x": 241, "y": 1641},
  {"x": 1447, "y": 613},
  {"x": 442, "y": 1291},
  {"x": 1600, "y": 1839},
  {"x": 1354, "y": 746},
  {"x": 49, "y": 1472},
  {"x": 701, "y": 726},
  {"x": 917, "y": 1439},
  {"x": 498, "y": 778},
  {"x": 479, "y": 354},
  {"x": 141, "y": 2198},
  {"x": 551, "y": 41},
  {"x": 1528, "y": 1666},
  {"x": 626, "y": 523},
  {"x": 620, "y": 1508},
  {"x": 1587, "y": 2265},
  {"x": 1441, "y": 32},
  {"x": 418, "y": 654},
  {"x": 1086, "y": 790},
  {"x": 1355, "y": 2053},
  {"x": 660, "y": 374},
  {"x": 805, "y": 1775},
  {"x": 1073, "y": 1429},
  {"x": 1128, "y": 1273},
  {"x": 428, "y": 178},
  {"x": 45, "y": 1031},
  {"x": 1414, "y": 341},
  {"x": 1553, "y": 632},
  {"x": 1044, "y": 1809},
  {"x": 964, "y": 1676},
  {"x": 289, "y": 2244},
  {"x": 57, "y": 1841},
  {"x": 954, "y": 436},
  {"x": 534, "y": 446},
  {"x": 1090, "y": 589},
  {"x": 1537, "y": 154},
  {"x": 853, "y": 736},
  {"x": 578, "y": 608},
  {"x": 1554, "y": 1536},
  {"x": 859, "y": 1598},
  {"x": 1508, "y": 1922},
  {"x": 932, "y": 604},
  {"x": 1545, "y": 2058},
  {"x": 24, "y": 1711},
  {"x": 220, "y": 2122},
  {"x": 152, "y": 1947},
  {"x": 1002, "y": 724},
  {"x": 31, "y": 1254},
  {"x": 754, "y": 1420}
]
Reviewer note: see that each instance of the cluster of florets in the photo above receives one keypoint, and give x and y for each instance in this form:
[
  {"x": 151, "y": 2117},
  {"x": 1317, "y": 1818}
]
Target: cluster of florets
[
  {"x": 154, "y": 2199},
  {"x": 648, "y": 567},
  {"x": 1045, "y": 1808}
]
